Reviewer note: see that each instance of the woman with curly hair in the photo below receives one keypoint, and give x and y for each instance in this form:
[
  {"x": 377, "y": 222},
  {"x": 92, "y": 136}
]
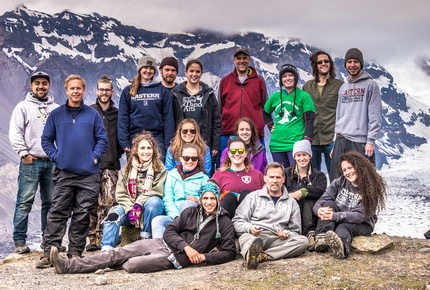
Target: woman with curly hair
[
  {"x": 348, "y": 207},
  {"x": 237, "y": 178},
  {"x": 188, "y": 132},
  {"x": 138, "y": 192},
  {"x": 181, "y": 189},
  {"x": 246, "y": 130}
]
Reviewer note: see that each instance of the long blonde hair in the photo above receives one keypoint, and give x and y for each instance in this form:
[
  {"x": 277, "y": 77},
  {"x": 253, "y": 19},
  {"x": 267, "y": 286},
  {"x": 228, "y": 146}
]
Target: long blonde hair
[
  {"x": 178, "y": 143},
  {"x": 156, "y": 162}
]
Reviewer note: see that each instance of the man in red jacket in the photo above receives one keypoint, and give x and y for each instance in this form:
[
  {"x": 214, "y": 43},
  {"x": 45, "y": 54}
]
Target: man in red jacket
[{"x": 242, "y": 93}]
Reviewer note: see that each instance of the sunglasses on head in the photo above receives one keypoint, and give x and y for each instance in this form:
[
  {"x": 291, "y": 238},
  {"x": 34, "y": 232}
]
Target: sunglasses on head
[
  {"x": 323, "y": 61},
  {"x": 240, "y": 151},
  {"x": 185, "y": 131},
  {"x": 187, "y": 158}
]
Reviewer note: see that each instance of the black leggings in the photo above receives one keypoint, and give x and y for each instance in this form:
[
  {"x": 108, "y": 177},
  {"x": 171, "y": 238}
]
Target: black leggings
[{"x": 230, "y": 202}]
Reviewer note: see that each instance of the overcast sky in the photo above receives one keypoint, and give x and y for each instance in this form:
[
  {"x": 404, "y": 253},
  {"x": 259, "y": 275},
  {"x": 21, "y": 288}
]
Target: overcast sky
[{"x": 387, "y": 31}]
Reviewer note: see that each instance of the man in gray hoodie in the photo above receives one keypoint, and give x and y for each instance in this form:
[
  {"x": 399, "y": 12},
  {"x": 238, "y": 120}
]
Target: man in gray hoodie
[
  {"x": 268, "y": 222},
  {"x": 358, "y": 113},
  {"x": 25, "y": 132}
]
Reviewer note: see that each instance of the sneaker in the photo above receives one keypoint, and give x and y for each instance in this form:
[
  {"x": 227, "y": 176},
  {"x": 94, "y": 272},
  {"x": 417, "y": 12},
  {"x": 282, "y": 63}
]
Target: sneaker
[
  {"x": 311, "y": 239},
  {"x": 320, "y": 243},
  {"x": 43, "y": 263},
  {"x": 263, "y": 257},
  {"x": 57, "y": 261},
  {"x": 252, "y": 256},
  {"x": 336, "y": 244},
  {"x": 21, "y": 248}
]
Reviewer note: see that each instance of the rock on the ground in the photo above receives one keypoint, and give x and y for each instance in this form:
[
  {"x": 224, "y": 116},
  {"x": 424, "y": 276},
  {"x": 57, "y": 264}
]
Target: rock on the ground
[
  {"x": 372, "y": 244},
  {"x": 101, "y": 280},
  {"x": 424, "y": 250}
]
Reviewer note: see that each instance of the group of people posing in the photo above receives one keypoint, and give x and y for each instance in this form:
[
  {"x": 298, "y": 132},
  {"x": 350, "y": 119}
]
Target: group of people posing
[{"x": 174, "y": 137}]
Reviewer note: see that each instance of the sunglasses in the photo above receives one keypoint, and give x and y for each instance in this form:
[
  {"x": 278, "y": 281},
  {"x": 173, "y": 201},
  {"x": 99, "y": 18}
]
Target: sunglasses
[
  {"x": 323, "y": 61},
  {"x": 187, "y": 158},
  {"x": 185, "y": 131},
  {"x": 240, "y": 151},
  {"x": 104, "y": 90}
]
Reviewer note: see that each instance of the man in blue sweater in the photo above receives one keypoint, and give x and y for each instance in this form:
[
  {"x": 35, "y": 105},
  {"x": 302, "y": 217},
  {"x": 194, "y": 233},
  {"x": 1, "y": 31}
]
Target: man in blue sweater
[{"x": 75, "y": 139}]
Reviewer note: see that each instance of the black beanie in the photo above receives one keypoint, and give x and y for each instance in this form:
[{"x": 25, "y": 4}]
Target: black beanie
[
  {"x": 170, "y": 61},
  {"x": 354, "y": 53},
  {"x": 291, "y": 69}
]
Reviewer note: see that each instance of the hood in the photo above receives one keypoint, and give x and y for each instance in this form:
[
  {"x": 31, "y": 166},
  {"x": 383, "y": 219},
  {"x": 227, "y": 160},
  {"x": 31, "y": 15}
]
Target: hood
[{"x": 363, "y": 76}]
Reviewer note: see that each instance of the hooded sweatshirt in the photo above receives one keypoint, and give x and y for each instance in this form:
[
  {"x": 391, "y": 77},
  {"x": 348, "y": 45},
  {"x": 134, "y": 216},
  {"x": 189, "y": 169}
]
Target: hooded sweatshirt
[
  {"x": 26, "y": 125},
  {"x": 345, "y": 195},
  {"x": 359, "y": 109}
]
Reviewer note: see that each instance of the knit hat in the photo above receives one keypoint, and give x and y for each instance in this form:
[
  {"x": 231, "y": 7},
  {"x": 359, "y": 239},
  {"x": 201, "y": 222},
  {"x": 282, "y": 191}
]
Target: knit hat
[
  {"x": 170, "y": 60},
  {"x": 291, "y": 69},
  {"x": 146, "y": 61},
  {"x": 302, "y": 146},
  {"x": 40, "y": 74},
  {"x": 242, "y": 49},
  {"x": 354, "y": 53}
]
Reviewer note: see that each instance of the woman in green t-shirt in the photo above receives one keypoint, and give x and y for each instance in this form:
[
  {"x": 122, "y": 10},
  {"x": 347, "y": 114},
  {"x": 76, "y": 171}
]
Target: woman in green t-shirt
[{"x": 293, "y": 111}]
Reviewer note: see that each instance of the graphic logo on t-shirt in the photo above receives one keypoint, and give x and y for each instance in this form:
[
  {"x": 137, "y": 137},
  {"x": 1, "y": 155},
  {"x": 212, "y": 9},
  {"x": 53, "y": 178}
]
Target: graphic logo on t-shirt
[
  {"x": 246, "y": 179},
  {"x": 146, "y": 98},
  {"x": 190, "y": 103},
  {"x": 43, "y": 113},
  {"x": 348, "y": 199}
]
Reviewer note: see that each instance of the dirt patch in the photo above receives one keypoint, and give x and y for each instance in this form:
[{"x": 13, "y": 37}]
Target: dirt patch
[{"x": 403, "y": 266}]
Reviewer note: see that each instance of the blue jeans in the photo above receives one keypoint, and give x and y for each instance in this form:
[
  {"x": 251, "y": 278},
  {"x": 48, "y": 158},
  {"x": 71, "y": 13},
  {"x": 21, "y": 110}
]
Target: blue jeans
[
  {"x": 317, "y": 151},
  {"x": 30, "y": 176},
  {"x": 116, "y": 218},
  {"x": 159, "y": 223}
]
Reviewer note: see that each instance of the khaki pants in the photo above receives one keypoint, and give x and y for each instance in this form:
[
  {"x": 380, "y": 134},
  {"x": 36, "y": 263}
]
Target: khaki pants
[{"x": 274, "y": 247}]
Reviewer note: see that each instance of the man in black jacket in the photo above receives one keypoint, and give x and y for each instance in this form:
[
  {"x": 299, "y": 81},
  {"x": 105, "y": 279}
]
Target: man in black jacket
[
  {"x": 187, "y": 240},
  {"x": 110, "y": 163}
]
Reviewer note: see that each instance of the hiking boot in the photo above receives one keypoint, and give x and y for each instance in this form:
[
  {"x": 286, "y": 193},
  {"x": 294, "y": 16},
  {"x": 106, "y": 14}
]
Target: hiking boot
[
  {"x": 21, "y": 248},
  {"x": 252, "y": 256},
  {"x": 43, "y": 263},
  {"x": 336, "y": 244},
  {"x": 320, "y": 243},
  {"x": 74, "y": 256},
  {"x": 263, "y": 257},
  {"x": 57, "y": 261},
  {"x": 60, "y": 249},
  {"x": 92, "y": 248},
  {"x": 311, "y": 239}
]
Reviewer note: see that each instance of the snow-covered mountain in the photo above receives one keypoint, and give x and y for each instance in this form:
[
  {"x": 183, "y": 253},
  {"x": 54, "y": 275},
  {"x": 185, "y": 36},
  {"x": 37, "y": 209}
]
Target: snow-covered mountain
[{"x": 92, "y": 45}]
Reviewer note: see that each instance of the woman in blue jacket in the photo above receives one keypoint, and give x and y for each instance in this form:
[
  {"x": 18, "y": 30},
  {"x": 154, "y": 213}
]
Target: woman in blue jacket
[
  {"x": 145, "y": 105},
  {"x": 181, "y": 189}
]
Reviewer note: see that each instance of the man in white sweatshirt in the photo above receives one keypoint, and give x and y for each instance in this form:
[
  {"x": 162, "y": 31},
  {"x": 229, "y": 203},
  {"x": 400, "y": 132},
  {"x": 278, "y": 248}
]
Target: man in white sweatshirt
[
  {"x": 25, "y": 132},
  {"x": 358, "y": 113}
]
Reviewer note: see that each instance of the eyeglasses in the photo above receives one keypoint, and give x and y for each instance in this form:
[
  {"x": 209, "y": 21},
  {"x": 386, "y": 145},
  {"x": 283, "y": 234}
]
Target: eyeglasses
[
  {"x": 323, "y": 61},
  {"x": 185, "y": 131},
  {"x": 104, "y": 90},
  {"x": 187, "y": 158},
  {"x": 239, "y": 151}
]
